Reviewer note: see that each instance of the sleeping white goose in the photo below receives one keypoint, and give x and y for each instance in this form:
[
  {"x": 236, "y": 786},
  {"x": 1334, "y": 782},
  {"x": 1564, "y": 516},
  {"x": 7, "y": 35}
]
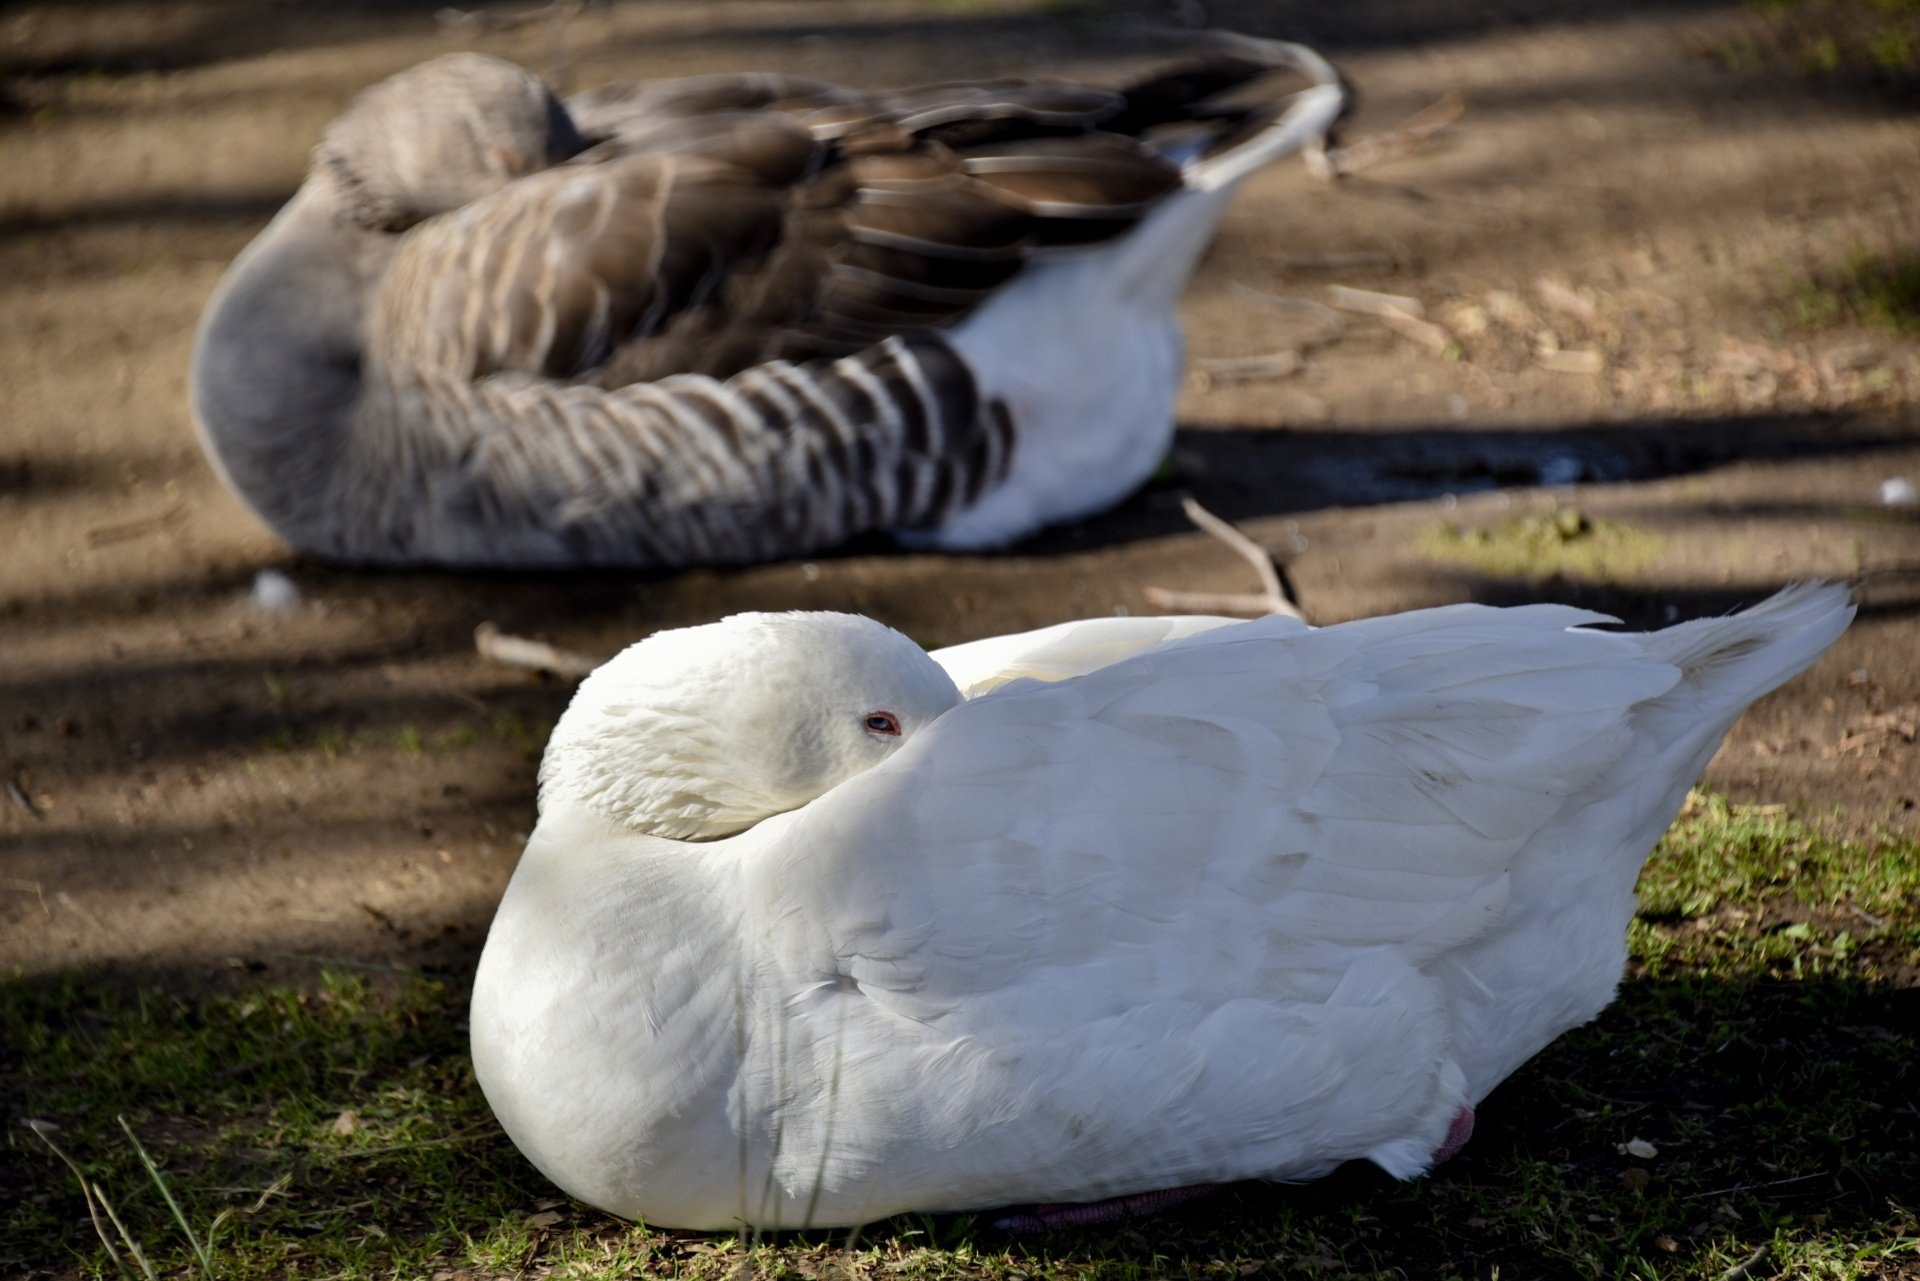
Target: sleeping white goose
[
  {"x": 724, "y": 319},
  {"x": 804, "y": 937}
]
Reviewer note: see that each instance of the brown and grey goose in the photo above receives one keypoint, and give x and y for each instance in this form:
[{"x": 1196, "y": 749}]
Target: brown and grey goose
[{"x": 725, "y": 319}]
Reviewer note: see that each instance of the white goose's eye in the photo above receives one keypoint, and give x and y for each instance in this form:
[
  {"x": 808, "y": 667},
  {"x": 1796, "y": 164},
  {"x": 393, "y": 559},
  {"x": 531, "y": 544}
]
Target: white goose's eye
[{"x": 885, "y": 723}]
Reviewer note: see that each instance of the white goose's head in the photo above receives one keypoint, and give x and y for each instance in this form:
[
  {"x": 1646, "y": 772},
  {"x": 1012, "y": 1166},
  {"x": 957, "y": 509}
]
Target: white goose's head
[{"x": 702, "y": 732}]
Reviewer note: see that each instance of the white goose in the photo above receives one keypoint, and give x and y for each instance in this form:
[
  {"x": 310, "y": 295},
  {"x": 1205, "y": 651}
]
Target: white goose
[
  {"x": 804, "y": 938},
  {"x": 724, "y": 319}
]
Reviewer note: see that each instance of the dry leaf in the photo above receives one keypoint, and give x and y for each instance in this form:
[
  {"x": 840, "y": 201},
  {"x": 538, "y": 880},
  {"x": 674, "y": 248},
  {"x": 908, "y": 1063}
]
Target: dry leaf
[{"x": 1571, "y": 362}]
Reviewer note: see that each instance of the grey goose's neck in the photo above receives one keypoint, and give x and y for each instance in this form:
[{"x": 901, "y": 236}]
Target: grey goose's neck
[{"x": 277, "y": 362}]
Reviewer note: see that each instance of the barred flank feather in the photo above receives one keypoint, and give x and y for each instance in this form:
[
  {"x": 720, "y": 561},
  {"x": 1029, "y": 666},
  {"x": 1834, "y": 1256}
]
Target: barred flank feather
[{"x": 896, "y": 437}]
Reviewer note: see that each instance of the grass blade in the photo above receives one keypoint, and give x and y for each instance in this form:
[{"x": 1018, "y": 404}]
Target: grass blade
[
  {"x": 43, "y": 1129},
  {"x": 153, "y": 1172},
  {"x": 126, "y": 1237}
]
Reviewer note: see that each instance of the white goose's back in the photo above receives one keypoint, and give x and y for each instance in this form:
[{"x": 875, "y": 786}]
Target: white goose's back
[{"x": 1245, "y": 905}]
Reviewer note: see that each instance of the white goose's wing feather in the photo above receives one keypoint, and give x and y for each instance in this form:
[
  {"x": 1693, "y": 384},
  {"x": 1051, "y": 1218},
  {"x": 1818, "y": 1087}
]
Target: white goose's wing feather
[
  {"x": 1207, "y": 854},
  {"x": 1063, "y": 650}
]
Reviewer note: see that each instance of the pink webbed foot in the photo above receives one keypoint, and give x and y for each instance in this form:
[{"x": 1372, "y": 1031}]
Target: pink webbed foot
[
  {"x": 1055, "y": 1215},
  {"x": 1457, "y": 1135}
]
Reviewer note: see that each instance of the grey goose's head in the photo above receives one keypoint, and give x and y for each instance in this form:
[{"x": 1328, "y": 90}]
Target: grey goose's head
[{"x": 439, "y": 135}]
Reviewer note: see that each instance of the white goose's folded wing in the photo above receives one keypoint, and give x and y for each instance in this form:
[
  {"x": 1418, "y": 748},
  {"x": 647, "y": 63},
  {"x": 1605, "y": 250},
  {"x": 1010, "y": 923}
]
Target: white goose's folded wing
[{"x": 1201, "y": 887}]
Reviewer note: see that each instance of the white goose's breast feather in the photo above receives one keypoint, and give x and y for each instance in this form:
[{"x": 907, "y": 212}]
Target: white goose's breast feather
[{"x": 1244, "y": 902}]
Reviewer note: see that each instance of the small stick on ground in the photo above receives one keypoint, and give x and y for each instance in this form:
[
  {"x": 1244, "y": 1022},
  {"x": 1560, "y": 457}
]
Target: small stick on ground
[
  {"x": 520, "y": 651},
  {"x": 103, "y": 535},
  {"x": 1746, "y": 1266},
  {"x": 1273, "y": 598},
  {"x": 1403, "y": 315},
  {"x": 33, "y": 887},
  {"x": 23, "y": 799},
  {"x": 1382, "y": 147},
  {"x": 1210, "y": 371}
]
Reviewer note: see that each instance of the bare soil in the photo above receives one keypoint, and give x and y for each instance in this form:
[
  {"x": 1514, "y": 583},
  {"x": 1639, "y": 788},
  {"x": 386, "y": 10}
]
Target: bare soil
[{"x": 1623, "y": 240}]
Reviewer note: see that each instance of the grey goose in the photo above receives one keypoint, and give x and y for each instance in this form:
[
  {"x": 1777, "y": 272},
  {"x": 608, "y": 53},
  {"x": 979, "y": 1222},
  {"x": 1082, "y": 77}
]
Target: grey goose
[{"x": 725, "y": 319}]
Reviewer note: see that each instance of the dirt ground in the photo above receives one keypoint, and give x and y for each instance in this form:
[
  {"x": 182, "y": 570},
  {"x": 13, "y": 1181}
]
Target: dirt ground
[{"x": 1628, "y": 241}]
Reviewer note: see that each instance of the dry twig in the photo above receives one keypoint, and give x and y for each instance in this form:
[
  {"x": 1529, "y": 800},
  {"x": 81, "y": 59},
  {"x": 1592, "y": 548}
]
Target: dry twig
[
  {"x": 1382, "y": 147},
  {"x": 1211, "y": 371},
  {"x": 23, "y": 799},
  {"x": 1371, "y": 302},
  {"x": 1746, "y": 1266},
  {"x": 22, "y": 886},
  {"x": 520, "y": 651},
  {"x": 139, "y": 527},
  {"x": 1273, "y": 597},
  {"x": 1405, "y": 316}
]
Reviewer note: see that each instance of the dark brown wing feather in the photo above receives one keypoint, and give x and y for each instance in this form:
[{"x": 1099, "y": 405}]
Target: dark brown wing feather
[{"x": 723, "y": 221}]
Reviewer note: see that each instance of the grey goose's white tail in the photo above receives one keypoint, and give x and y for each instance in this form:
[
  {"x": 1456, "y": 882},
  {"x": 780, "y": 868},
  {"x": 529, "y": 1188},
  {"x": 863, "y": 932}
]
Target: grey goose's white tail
[{"x": 723, "y": 319}]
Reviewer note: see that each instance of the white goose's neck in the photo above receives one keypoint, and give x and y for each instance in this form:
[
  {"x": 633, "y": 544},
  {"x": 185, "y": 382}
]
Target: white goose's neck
[{"x": 611, "y": 950}]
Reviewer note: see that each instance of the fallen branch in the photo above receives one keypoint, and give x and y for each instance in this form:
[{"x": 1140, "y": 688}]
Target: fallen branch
[
  {"x": 521, "y": 651},
  {"x": 1405, "y": 316},
  {"x": 103, "y": 535},
  {"x": 20, "y": 885},
  {"x": 1382, "y": 147},
  {"x": 1273, "y": 598},
  {"x": 1746, "y": 1266},
  {"x": 1210, "y": 371},
  {"x": 1429, "y": 335},
  {"x": 23, "y": 799},
  {"x": 1336, "y": 325},
  {"x": 1371, "y": 302},
  {"x": 1571, "y": 361}
]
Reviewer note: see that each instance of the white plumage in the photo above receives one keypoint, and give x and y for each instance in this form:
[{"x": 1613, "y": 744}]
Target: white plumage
[{"x": 1207, "y": 902}]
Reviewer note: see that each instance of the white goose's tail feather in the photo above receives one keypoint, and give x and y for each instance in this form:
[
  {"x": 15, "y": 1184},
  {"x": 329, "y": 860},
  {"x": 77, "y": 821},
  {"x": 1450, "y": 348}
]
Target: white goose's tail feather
[
  {"x": 1727, "y": 663},
  {"x": 1733, "y": 660}
]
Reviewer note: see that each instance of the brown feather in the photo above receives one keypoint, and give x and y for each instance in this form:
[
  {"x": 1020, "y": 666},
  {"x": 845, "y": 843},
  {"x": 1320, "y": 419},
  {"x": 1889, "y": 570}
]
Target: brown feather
[{"x": 726, "y": 220}]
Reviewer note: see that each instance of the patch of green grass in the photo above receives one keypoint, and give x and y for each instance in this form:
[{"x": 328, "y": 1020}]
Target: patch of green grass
[
  {"x": 1764, "y": 1052},
  {"x": 1849, "y": 42},
  {"x": 1879, "y": 291},
  {"x": 1564, "y": 541},
  {"x": 336, "y": 1127}
]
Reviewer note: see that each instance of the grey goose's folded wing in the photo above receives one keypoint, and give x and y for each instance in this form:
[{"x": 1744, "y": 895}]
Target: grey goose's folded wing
[{"x": 729, "y": 220}]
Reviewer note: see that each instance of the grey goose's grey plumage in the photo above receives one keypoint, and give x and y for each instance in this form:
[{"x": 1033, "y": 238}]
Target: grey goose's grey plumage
[{"x": 723, "y": 319}]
